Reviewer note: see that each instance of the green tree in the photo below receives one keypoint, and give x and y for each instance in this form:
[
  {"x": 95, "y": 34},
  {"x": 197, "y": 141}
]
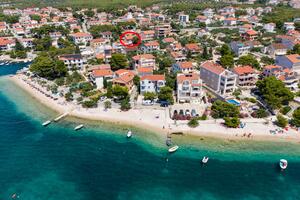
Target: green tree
[
  {"x": 232, "y": 122},
  {"x": 225, "y": 50},
  {"x": 107, "y": 104},
  {"x": 149, "y": 96},
  {"x": 221, "y": 109},
  {"x": 274, "y": 92},
  {"x": 47, "y": 67},
  {"x": 89, "y": 13},
  {"x": 296, "y": 118},
  {"x": 166, "y": 94},
  {"x": 248, "y": 60},
  {"x": 118, "y": 61},
  {"x": 227, "y": 61},
  {"x": 36, "y": 18},
  {"x": 120, "y": 92},
  {"x": 281, "y": 121},
  {"x": 260, "y": 113},
  {"x": 125, "y": 104},
  {"x": 268, "y": 61},
  {"x": 296, "y": 49},
  {"x": 69, "y": 96},
  {"x": 193, "y": 123}
]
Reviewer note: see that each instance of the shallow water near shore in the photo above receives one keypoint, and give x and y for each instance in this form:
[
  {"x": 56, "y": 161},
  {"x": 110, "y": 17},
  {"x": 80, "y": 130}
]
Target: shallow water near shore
[{"x": 99, "y": 162}]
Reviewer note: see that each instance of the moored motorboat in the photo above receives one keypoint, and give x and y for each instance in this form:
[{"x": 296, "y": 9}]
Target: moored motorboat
[
  {"x": 46, "y": 123},
  {"x": 78, "y": 127},
  {"x": 173, "y": 149},
  {"x": 205, "y": 159},
  {"x": 129, "y": 134},
  {"x": 283, "y": 163}
]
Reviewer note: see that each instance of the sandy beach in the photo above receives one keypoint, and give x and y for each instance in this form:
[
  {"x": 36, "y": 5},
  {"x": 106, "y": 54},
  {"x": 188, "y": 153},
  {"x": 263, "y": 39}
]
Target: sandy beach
[{"x": 158, "y": 120}]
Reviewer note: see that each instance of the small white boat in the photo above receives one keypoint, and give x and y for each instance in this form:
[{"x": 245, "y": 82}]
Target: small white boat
[
  {"x": 283, "y": 163},
  {"x": 205, "y": 159},
  {"x": 129, "y": 134},
  {"x": 78, "y": 127},
  {"x": 46, "y": 123},
  {"x": 173, "y": 149}
]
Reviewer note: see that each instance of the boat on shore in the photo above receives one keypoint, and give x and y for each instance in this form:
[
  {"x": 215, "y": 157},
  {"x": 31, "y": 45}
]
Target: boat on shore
[
  {"x": 78, "y": 127},
  {"x": 205, "y": 160},
  {"x": 46, "y": 123},
  {"x": 283, "y": 164},
  {"x": 129, "y": 134},
  {"x": 173, "y": 149}
]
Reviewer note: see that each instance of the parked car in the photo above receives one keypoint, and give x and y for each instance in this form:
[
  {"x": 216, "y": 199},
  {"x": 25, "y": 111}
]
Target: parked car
[{"x": 147, "y": 103}]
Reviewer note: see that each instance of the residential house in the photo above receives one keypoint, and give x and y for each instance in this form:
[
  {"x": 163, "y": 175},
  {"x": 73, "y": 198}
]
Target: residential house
[
  {"x": 193, "y": 49},
  {"x": 150, "y": 46},
  {"x": 288, "y": 41},
  {"x": 203, "y": 19},
  {"x": 270, "y": 70},
  {"x": 7, "y": 44},
  {"x": 107, "y": 35},
  {"x": 287, "y": 76},
  {"x": 289, "y": 26},
  {"x": 144, "y": 71},
  {"x": 291, "y": 62},
  {"x": 189, "y": 88},
  {"x": 221, "y": 80},
  {"x": 250, "y": 35},
  {"x": 270, "y": 27},
  {"x": 72, "y": 61},
  {"x": 152, "y": 83},
  {"x": 184, "y": 19},
  {"x": 162, "y": 30},
  {"x": 183, "y": 67},
  {"x": 209, "y": 13},
  {"x": 231, "y": 21},
  {"x": 240, "y": 48},
  {"x": 247, "y": 76},
  {"x": 147, "y": 35},
  {"x": 178, "y": 56},
  {"x": 277, "y": 49},
  {"x": 144, "y": 61},
  {"x": 81, "y": 38},
  {"x": 26, "y": 42},
  {"x": 124, "y": 78},
  {"x": 98, "y": 75},
  {"x": 98, "y": 42}
]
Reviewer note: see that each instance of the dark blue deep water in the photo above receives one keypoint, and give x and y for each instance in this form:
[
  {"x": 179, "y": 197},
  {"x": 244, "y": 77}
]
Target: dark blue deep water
[{"x": 98, "y": 162}]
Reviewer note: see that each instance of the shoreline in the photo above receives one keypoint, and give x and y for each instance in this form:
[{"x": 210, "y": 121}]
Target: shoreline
[{"x": 145, "y": 119}]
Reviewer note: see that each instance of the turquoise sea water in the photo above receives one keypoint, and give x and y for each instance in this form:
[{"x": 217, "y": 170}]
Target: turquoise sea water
[{"x": 98, "y": 162}]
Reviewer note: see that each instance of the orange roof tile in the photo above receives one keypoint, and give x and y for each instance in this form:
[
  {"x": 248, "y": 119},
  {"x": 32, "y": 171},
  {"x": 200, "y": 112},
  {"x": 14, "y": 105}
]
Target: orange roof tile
[
  {"x": 213, "y": 67},
  {"x": 143, "y": 56},
  {"x": 243, "y": 70},
  {"x": 102, "y": 72},
  {"x": 154, "y": 77},
  {"x": 294, "y": 58}
]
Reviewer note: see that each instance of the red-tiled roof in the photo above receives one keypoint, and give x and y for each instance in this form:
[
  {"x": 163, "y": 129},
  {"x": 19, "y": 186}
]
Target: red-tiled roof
[
  {"x": 192, "y": 47},
  {"x": 154, "y": 77},
  {"x": 102, "y": 72},
  {"x": 294, "y": 58},
  {"x": 185, "y": 65},
  {"x": 243, "y": 70},
  {"x": 143, "y": 56},
  {"x": 81, "y": 34},
  {"x": 213, "y": 67}
]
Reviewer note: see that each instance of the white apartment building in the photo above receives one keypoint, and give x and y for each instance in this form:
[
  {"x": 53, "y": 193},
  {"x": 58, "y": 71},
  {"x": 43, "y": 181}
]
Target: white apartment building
[
  {"x": 221, "y": 80},
  {"x": 152, "y": 83},
  {"x": 189, "y": 88}
]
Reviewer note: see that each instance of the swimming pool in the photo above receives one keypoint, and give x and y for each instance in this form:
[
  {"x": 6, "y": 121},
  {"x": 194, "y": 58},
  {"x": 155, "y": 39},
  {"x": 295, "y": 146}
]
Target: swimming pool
[{"x": 234, "y": 102}]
